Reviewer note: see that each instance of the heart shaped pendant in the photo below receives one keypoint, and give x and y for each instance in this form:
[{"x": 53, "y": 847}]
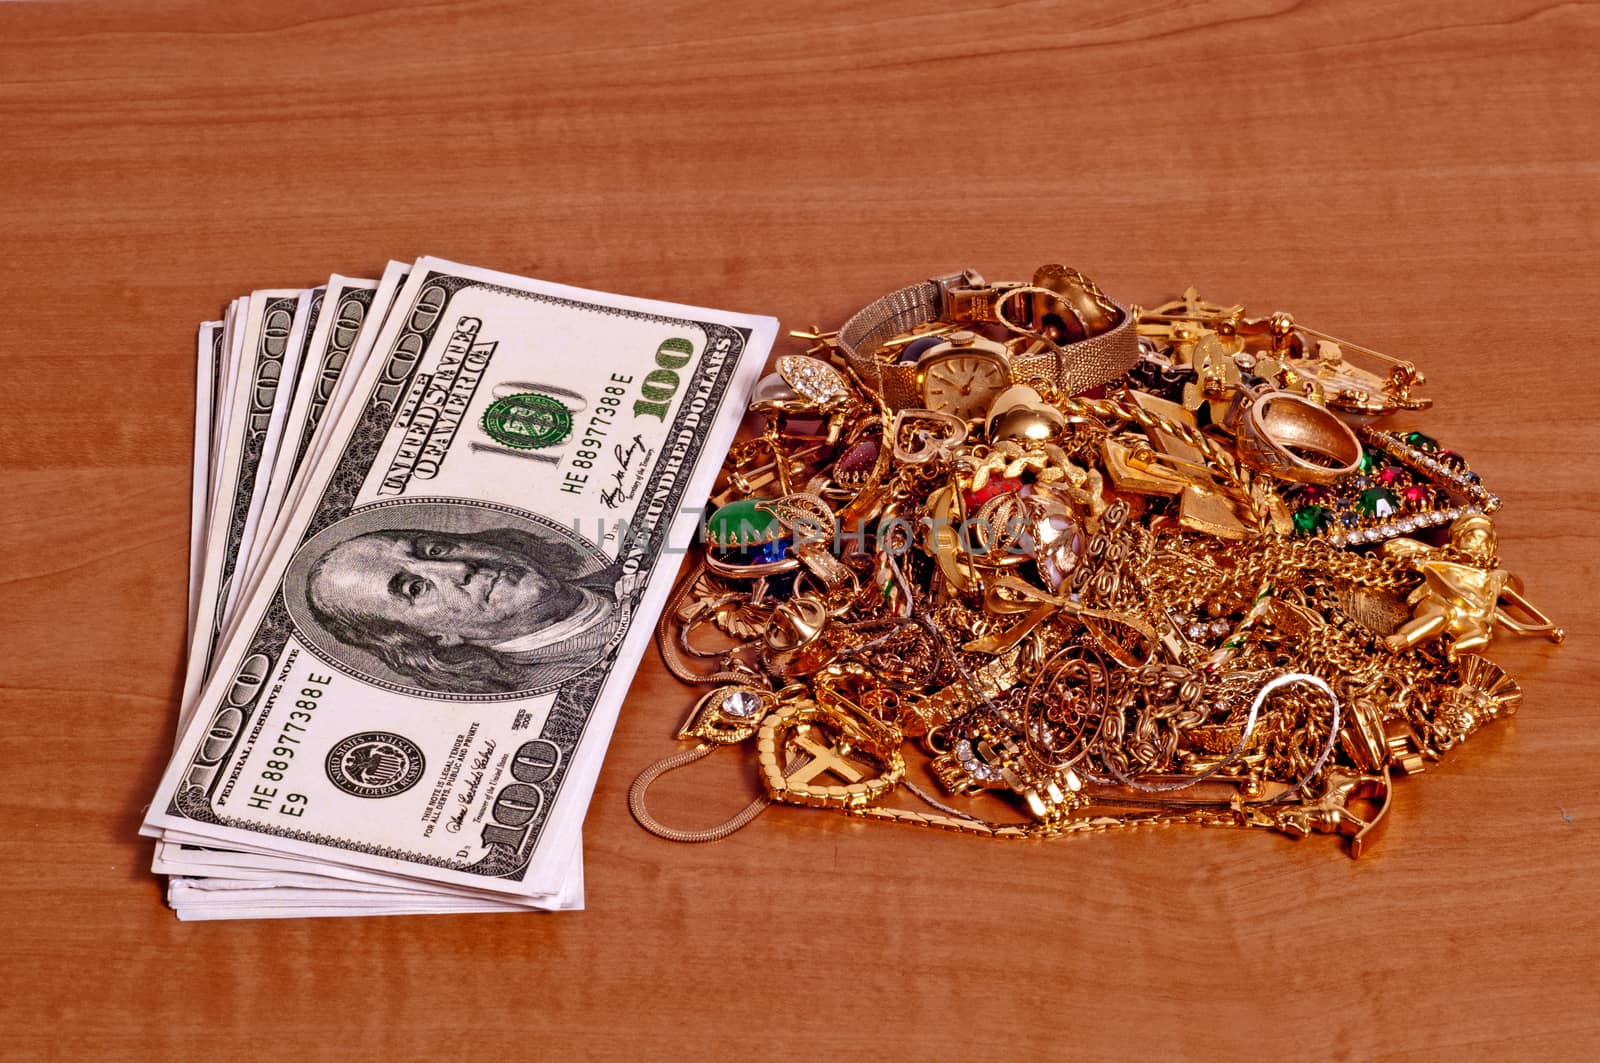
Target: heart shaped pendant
[
  {"x": 918, "y": 436},
  {"x": 826, "y": 743}
]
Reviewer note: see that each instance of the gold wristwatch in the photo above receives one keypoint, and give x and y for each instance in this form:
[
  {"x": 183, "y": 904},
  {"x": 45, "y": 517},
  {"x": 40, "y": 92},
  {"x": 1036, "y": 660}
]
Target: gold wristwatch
[
  {"x": 1068, "y": 334},
  {"x": 961, "y": 375}
]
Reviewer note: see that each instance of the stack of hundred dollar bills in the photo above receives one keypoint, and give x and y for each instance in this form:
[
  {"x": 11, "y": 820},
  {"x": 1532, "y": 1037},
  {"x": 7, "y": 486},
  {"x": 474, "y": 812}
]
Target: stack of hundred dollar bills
[{"x": 436, "y": 515}]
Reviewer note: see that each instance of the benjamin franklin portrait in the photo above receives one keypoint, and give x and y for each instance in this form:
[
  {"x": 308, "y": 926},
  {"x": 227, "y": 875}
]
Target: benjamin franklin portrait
[{"x": 477, "y": 602}]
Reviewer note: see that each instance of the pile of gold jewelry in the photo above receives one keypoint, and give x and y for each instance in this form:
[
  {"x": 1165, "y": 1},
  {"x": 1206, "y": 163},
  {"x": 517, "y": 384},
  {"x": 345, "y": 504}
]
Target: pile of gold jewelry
[{"x": 1120, "y": 566}]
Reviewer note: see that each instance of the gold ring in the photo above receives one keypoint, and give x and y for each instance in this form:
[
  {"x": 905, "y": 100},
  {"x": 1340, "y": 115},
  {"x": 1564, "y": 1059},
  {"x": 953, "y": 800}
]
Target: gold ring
[
  {"x": 1037, "y": 313},
  {"x": 1295, "y": 439},
  {"x": 793, "y": 645}
]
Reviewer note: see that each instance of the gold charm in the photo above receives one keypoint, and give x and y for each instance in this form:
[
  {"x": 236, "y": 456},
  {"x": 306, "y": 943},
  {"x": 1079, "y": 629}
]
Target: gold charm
[
  {"x": 920, "y": 436},
  {"x": 1334, "y": 813},
  {"x": 728, "y": 714},
  {"x": 827, "y": 745},
  {"x": 1486, "y": 693},
  {"x": 793, "y": 646},
  {"x": 1462, "y": 600},
  {"x": 995, "y": 761},
  {"x": 1133, "y": 468},
  {"x": 1020, "y": 415}
]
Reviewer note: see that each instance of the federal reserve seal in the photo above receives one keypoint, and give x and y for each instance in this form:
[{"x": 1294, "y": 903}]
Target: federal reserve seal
[
  {"x": 527, "y": 421},
  {"x": 375, "y": 764}
]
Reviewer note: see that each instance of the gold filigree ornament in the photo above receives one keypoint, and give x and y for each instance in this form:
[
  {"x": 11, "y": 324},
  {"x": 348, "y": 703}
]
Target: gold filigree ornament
[
  {"x": 1486, "y": 693},
  {"x": 740, "y": 619}
]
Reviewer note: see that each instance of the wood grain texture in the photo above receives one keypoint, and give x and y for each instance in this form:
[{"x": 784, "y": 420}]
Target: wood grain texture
[{"x": 1420, "y": 178}]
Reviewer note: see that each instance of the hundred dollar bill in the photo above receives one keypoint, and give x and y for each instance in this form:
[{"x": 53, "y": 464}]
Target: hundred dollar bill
[
  {"x": 426, "y": 676},
  {"x": 231, "y": 463},
  {"x": 287, "y": 902},
  {"x": 208, "y": 364},
  {"x": 338, "y": 352},
  {"x": 175, "y": 855},
  {"x": 355, "y": 309},
  {"x": 275, "y": 883},
  {"x": 349, "y": 302},
  {"x": 267, "y": 535},
  {"x": 325, "y": 412},
  {"x": 232, "y": 355},
  {"x": 278, "y": 327},
  {"x": 248, "y": 422},
  {"x": 292, "y": 402}
]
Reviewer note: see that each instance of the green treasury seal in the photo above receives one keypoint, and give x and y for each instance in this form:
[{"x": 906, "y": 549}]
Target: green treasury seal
[{"x": 527, "y": 421}]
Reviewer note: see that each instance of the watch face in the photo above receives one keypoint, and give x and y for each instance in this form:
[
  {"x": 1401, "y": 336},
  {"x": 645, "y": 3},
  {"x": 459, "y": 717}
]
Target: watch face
[{"x": 963, "y": 383}]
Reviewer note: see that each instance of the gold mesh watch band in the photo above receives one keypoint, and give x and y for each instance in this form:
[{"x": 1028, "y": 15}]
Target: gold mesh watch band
[
  {"x": 1074, "y": 368},
  {"x": 885, "y": 318}
]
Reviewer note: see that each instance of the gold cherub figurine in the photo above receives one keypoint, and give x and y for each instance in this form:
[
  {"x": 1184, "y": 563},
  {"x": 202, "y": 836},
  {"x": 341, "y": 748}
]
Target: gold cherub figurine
[{"x": 1463, "y": 599}]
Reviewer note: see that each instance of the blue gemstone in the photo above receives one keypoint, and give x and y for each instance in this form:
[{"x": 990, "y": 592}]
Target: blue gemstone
[
  {"x": 914, "y": 349},
  {"x": 756, "y": 553},
  {"x": 767, "y": 552}
]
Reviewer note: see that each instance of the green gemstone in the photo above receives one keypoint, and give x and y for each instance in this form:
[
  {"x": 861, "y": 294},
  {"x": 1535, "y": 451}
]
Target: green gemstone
[
  {"x": 1421, "y": 442},
  {"x": 1377, "y": 502},
  {"x": 1372, "y": 460},
  {"x": 742, "y": 524},
  {"x": 1309, "y": 520}
]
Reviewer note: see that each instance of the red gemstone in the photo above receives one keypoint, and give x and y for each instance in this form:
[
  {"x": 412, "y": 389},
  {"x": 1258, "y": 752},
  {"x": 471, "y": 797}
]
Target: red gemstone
[
  {"x": 1312, "y": 495},
  {"x": 997, "y": 485},
  {"x": 1416, "y": 496},
  {"x": 1393, "y": 476},
  {"x": 860, "y": 458}
]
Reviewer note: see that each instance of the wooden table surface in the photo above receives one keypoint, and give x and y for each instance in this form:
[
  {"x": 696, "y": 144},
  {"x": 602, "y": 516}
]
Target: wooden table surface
[{"x": 1420, "y": 178}]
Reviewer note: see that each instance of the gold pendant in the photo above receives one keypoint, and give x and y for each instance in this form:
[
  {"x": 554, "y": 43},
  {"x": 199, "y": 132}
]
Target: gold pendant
[
  {"x": 728, "y": 714},
  {"x": 823, "y": 741}
]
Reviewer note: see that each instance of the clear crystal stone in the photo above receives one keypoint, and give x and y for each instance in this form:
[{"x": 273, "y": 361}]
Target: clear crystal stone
[{"x": 741, "y": 703}]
